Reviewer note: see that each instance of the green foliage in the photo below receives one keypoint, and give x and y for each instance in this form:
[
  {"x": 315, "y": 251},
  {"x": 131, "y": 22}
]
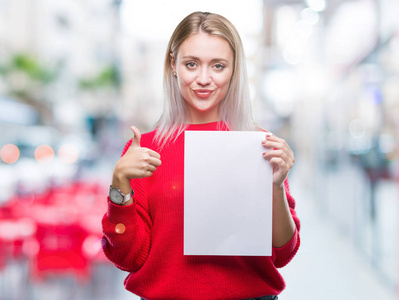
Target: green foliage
[
  {"x": 108, "y": 77},
  {"x": 29, "y": 65}
]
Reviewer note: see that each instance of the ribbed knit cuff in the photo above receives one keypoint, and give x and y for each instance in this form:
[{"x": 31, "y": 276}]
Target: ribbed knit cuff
[
  {"x": 120, "y": 213},
  {"x": 288, "y": 250}
]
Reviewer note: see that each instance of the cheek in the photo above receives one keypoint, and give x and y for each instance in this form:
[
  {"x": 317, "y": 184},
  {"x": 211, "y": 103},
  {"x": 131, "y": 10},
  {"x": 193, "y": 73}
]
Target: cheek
[
  {"x": 186, "y": 79},
  {"x": 223, "y": 83},
  {"x": 184, "y": 88}
]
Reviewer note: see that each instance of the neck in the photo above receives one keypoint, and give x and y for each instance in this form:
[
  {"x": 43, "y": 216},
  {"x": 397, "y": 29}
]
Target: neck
[{"x": 203, "y": 118}]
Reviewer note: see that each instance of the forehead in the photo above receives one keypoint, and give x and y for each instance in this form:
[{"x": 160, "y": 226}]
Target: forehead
[{"x": 206, "y": 46}]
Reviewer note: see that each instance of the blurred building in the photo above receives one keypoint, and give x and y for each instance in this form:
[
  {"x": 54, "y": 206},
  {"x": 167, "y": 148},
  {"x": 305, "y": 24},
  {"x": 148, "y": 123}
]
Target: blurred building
[
  {"x": 330, "y": 74},
  {"x": 76, "y": 42},
  {"x": 59, "y": 84}
]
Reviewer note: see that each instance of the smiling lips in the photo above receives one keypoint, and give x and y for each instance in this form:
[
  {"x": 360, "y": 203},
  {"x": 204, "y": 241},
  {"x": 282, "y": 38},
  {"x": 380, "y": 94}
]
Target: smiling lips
[{"x": 203, "y": 93}]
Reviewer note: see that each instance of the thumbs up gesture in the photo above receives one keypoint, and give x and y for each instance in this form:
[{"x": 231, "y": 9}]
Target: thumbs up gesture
[{"x": 138, "y": 162}]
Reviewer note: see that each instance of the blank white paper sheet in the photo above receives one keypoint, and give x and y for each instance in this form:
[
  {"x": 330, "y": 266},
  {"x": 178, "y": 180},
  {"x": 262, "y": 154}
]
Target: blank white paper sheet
[{"x": 227, "y": 194}]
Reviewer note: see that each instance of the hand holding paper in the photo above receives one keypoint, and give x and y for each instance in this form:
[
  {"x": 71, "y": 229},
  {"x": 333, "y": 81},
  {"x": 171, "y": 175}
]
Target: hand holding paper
[{"x": 281, "y": 157}]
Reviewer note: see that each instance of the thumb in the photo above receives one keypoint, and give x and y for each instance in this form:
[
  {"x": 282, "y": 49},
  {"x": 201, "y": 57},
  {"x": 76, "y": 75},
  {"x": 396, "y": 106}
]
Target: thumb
[{"x": 136, "y": 137}]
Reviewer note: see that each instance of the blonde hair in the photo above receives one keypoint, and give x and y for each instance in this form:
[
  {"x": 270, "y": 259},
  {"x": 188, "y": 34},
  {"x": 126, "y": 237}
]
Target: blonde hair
[{"x": 235, "y": 108}]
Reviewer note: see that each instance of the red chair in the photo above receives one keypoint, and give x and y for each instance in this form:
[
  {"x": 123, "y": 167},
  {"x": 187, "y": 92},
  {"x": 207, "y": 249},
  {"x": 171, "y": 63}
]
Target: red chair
[{"x": 60, "y": 251}]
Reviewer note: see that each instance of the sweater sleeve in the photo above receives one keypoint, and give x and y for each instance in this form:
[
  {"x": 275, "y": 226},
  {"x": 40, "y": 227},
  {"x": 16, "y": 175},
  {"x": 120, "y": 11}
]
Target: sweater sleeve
[
  {"x": 283, "y": 255},
  {"x": 127, "y": 229}
]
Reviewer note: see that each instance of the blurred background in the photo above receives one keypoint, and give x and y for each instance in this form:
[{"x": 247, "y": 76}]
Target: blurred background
[{"x": 75, "y": 75}]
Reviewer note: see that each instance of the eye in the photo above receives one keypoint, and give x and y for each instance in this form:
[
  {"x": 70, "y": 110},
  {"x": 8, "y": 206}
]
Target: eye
[
  {"x": 191, "y": 65},
  {"x": 219, "y": 67}
]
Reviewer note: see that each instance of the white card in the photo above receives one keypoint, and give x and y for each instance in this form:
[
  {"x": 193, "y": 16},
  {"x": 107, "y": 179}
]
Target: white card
[{"x": 227, "y": 194}]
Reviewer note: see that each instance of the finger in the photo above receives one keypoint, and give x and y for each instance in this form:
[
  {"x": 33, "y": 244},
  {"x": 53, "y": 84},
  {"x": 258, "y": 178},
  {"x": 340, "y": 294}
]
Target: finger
[
  {"x": 276, "y": 139},
  {"x": 285, "y": 154},
  {"x": 277, "y": 153},
  {"x": 276, "y": 143},
  {"x": 136, "y": 137},
  {"x": 268, "y": 134},
  {"x": 155, "y": 162},
  {"x": 283, "y": 163},
  {"x": 154, "y": 154},
  {"x": 272, "y": 157},
  {"x": 273, "y": 141},
  {"x": 277, "y": 161},
  {"x": 151, "y": 168},
  {"x": 148, "y": 174}
]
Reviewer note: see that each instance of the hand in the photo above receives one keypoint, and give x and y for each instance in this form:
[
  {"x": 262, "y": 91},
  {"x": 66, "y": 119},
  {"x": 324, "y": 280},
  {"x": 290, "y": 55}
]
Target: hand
[
  {"x": 281, "y": 157},
  {"x": 138, "y": 162}
]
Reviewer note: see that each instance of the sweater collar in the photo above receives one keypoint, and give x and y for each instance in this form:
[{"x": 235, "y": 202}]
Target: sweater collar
[{"x": 219, "y": 125}]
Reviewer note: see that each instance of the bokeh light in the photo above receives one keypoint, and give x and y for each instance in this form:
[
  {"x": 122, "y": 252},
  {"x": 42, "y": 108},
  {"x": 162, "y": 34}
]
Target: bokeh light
[
  {"x": 91, "y": 246},
  {"x": 310, "y": 16},
  {"x": 44, "y": 154},
  {"x": 9, "y": 153},
  {"x": 68, "y": 153},
  {"x": 317, "y": 5},
  {"x": 120, "y": 228}
]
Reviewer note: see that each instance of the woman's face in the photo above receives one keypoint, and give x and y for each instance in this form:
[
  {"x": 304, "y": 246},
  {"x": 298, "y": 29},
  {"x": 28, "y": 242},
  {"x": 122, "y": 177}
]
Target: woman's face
[{"x": 204, "y": 66}]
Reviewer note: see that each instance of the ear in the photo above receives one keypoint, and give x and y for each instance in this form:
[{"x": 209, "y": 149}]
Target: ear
[{"x": 172, "y": 62}]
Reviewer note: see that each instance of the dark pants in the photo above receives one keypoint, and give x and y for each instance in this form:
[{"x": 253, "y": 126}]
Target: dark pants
[
  {"x": 264, "y": 298},
  {"x": 257, "y": 298}
]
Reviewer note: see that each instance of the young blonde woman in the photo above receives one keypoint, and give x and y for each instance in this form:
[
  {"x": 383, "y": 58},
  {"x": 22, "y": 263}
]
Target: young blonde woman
[{"x": 206, "y": 88}]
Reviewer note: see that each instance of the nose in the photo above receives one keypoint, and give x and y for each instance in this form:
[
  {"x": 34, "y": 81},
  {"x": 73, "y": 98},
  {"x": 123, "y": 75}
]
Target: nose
[{"x": 204, "y": 77}]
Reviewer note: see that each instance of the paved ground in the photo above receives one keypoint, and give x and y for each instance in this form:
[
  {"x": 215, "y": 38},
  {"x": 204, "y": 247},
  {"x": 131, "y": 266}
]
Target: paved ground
[{"x": 328, "y": 267}]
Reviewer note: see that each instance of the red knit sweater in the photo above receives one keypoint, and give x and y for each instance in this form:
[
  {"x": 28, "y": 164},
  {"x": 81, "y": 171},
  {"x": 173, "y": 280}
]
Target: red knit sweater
[{"x": 149, "y": 245}]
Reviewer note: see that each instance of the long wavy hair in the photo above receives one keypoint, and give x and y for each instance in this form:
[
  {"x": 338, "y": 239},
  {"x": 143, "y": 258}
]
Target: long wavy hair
[{"x": 235, "y": 108}]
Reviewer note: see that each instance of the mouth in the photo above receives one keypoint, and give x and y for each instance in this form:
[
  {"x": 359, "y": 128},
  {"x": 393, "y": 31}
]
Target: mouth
[{"x": 203, "y": 93}]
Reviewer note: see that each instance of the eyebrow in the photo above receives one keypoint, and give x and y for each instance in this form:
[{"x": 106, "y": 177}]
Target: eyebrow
[{"x": 213, "y": 60}]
